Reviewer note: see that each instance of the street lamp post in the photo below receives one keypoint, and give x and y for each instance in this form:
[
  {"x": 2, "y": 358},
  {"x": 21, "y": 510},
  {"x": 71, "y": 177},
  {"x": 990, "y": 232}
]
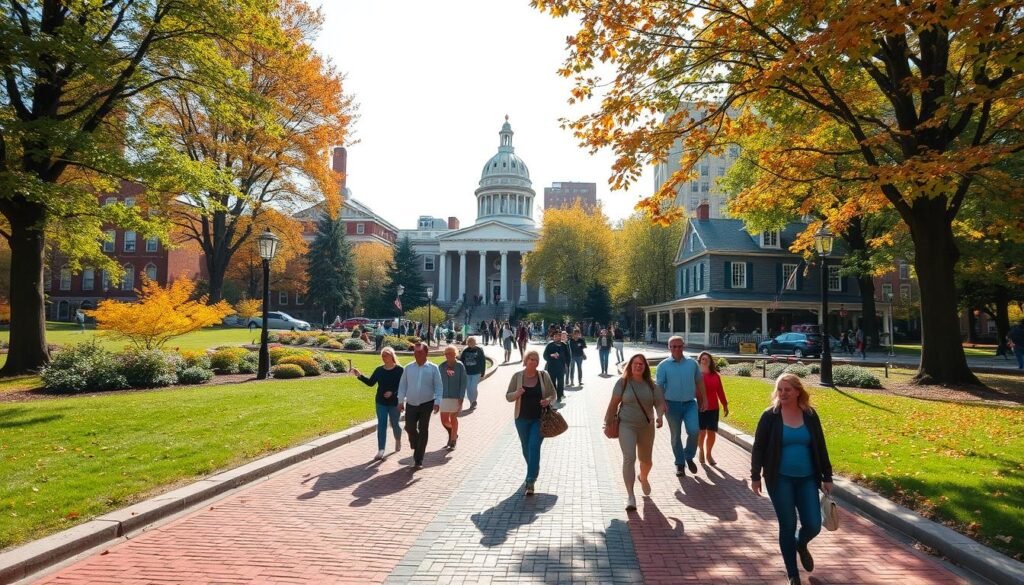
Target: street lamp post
[
  {"x": 892, "y": 326},
  {"x": 823, "y": 244},
  {"x": 398, "y": 305},
  {"x": 636, "y": 296},
  {"x": 430, "y": 295},
  {"x": 268, "y": 243}
]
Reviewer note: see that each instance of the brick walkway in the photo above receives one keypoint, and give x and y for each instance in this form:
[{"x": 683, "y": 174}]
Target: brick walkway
[{"x": 341, "y": 518}]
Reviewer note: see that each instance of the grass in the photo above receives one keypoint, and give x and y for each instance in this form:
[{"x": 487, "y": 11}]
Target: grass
[
  {"x": 959, "y": 464},
  {"x": 68, "y": 333},
  {"x": 64, "y": 461},
  {"x": 969, "y": 350}
]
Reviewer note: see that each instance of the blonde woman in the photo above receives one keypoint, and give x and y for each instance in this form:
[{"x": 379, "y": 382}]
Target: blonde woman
[
  {"x": 454, "y": 382},
  {"x": 789, "y": 450},
  {"x": 387, "y": 378},
  {"x": 640, "y": 407},
  {"x": 532, "y": 390}
]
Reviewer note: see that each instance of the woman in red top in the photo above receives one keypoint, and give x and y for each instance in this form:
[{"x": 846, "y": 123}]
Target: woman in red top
[{"x": 708, "y": 418}]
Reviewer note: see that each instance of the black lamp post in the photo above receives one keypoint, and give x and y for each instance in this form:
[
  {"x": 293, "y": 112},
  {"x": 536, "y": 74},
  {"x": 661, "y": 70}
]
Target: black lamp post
[
  {"x": 268, "y": 243},
  {"x": 398, "y": 305},
  {"x": 823, "y": 244},
  {"x": 892, "y": 326},
  {"x": 636, "y": 308},
  {"x": 430, "y": 336}
]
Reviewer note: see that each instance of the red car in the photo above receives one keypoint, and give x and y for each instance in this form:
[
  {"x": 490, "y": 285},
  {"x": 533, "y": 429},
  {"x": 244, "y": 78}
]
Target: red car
[{"x": 353, "y": 321}]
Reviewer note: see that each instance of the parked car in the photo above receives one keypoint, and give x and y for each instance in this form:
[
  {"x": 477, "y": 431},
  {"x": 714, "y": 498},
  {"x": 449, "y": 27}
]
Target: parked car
[
  {"x": 798, "y": 344},
  {"x": 279, "y": 320},
  {"x": 351, "y": 322}
]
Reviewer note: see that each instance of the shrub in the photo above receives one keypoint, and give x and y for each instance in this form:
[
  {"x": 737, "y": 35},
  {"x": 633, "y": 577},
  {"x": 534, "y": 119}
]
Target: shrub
[
  {"x": 333, "y": 344},
  {"x": 397, "y": 343},
  {"x": 744, "y": 370},
  {"x": 302, "y": 339},
  {"x": 194, "y": 375},
  {"x": 722, "y": 363},
  {"x": 801, "y": 371},
  {"x": 249, "y": 363},
  {"x": 307, "y": 363},
  {"x": 322, "y": 339},
  {"x": 276, "y": 353},
  {"x": 338, "y": 361},
  {"x": 149, "y": 368},
  {"x": 855, "y": 376},
  {"x": 774, "y": 371},
  {"x": 84, "y": 367},
  {"x": 815, "y": 369},
  {"x": 225, "y": 360},
  {"x": 287, "y": 371},
  {"x": 194, "y": 358},
  {"x": 354, "y": 344},
  {"x": 285, "y": 339},
  {"x": 273, "y": 338}
]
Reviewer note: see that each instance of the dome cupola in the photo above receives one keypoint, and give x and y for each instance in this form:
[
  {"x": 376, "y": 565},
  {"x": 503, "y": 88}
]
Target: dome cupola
[{"x": 505, "y": 192}]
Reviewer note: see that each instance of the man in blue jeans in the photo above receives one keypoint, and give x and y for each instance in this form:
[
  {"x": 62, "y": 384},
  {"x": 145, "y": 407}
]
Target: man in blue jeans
[
  {"x": 1016, "y": 337},
  {"x": 683, "y": 385}
]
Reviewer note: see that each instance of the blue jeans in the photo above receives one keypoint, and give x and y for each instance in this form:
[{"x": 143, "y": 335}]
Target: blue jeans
[
  {"x": 471, "y": 392},
  {"x": 791, "y": 496},
  {"x": 384, "y": 413},
  {"x": 529, "y": 437},
  {"x": 602, "y": 354},
  {"x": 576, "y": 368},
  {"x": 1018, "y": 352},
  {"x": 682, "y": 414}
]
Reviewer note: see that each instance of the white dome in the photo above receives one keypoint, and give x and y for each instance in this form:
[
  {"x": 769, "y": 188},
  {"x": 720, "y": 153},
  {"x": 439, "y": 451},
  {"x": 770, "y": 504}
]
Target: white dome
[{"x": 505, "y": 192}]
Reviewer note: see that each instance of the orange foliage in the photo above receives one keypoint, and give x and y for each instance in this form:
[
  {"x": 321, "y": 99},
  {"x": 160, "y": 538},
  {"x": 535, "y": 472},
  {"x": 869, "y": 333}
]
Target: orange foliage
[
  {"x": 248, "y": 308},
  {"x": 246, "y": 266},
  {"x": 159, "y": 315}
]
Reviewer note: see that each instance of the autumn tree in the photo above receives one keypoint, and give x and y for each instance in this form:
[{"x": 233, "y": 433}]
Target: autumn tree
[
  {"x": 270, "y": 149},
  {"x": 372, "y": 262},
  {"x": 927, "y": 97},
  {"x": 76, "y": 78},
  {"x": 645, "y": 252},
  {"x": 246, "y": 309},
  {"x": 160, "y": 314},
  {"x": 405, "y": 270},
  {"x": 331, "y": 274},
  {"x": 575, "y": 250},
  {"x": 246, "y": 265},
  {"x": 419, "y": 315}
]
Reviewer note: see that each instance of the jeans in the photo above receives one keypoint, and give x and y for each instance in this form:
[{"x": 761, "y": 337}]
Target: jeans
[
  {"x": 602, "y": 354},
  {"x": 472, "y": 381},
  {"x": 577, "y": 367},
  {"x": 529, "y": 437},
  {"x": 790, "y": 496},
  {"x": 417, "y": 424},
  {"x": 558, "y": 378},
  {"x": 682, "y": 414},
  {"x": 385, "y": 413},
  {"x": 619, "y": 356},
  {"x": 1018, "y": 352}
]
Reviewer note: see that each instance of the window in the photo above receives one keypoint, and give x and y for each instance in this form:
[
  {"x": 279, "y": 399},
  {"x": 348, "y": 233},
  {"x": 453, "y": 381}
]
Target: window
[
  {"x": 905, "y": 293},
  {"x": 770, "y": 239},
  {"x": 151, "y": 271},
  {"x": 109, "y": 201},
  {"x": 705, "y": 170},
  {"x": 739, "y": 275},
  {"x": 694, "y": 202},
  {"x": 734, "y": 152},
  {"x": 904, "y": 271},
  {"x": 282, "y": 298},
  {"x": 129, "y": 241},
  {"x": 108, "y": 243},
  {"x": 835, "y": 281},
  {"x": 886, "y": 291},
  {"x": 789, "y": 276},
  {"x": 700, "y": 283},
  {"x": 47, "y": 279},
  {"x": 65, "y": 278},
  {"x": 428, "y": 263},
  {"x": 693, "y": 242},
  {"x": 129, "y": 202},
  {"x": 128, "y": 282},
  {"x": 105, "y": 280},
  {"x": 300, "y": 299},
  {"x": 88, "y": 279},
  {"x": 360, "y": 228},
  {"x": 694, "y": 187},
  {"x": 152, "y": 244},
  {"x": 705, "y": 187},
  {"x": 721, "y": 171}
]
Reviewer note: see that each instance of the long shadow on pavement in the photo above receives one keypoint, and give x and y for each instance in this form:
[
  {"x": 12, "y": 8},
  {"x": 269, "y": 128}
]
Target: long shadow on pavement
[
  {"x": 341, "y": 479},
  {"x": 510, "y": 514},
  {"x": 383, "y": 486}
]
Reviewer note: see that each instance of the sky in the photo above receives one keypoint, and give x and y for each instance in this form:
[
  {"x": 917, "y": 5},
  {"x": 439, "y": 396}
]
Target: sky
[{"x": 434, "y": 82}]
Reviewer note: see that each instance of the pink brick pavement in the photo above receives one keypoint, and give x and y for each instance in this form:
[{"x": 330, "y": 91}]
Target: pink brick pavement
[{"x": 341, "y": 518}]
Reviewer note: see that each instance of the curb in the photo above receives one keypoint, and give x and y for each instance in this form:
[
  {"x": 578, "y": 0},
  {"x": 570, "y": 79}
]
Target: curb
[
  {"x": 949, "y": 543},
  {"x": 25, "y": 560}
]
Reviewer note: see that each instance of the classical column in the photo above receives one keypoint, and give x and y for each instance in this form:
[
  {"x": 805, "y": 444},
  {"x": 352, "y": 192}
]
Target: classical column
[
  {"x": 657, "y": 325},
  {"x": 707, "y": 326},
  {"x": 540, "y": 294},
  {"x": 764, "y": 321},
  {"x": 462, "y": 275},
  {"x": 671, "y": 322},
  {"x": 483, "y": 277},
  {"x": 504, "y": 276},
  {"x": 522, "y": 282},
  {"x": 442, "y": 278},
  {"x": 686, "y": 326}
]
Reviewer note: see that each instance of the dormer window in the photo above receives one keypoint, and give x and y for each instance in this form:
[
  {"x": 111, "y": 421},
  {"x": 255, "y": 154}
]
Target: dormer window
[
  {"x": 770, "y": 239},
  {"x": 693, "y": 242}
]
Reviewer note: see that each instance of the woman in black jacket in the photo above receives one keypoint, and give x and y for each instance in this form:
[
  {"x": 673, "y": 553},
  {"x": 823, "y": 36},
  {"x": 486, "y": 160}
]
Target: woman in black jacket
[
  {"x": 789, "y": 450},
  {"x": 386, "y": 377}
]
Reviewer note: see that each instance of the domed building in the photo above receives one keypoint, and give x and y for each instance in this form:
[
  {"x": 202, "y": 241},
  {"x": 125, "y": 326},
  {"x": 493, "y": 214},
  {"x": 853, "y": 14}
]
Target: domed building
[{"x": 486, "y": 258}]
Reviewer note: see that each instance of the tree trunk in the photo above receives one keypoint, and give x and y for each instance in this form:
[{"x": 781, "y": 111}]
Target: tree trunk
[
  {"x": 870, "y": 319},
  {"x": 936, "y": 255},
  {"x": 27, "y": 352},
  {"x": 972, "y": 326},
  {"x": 1002, "y": 303}
]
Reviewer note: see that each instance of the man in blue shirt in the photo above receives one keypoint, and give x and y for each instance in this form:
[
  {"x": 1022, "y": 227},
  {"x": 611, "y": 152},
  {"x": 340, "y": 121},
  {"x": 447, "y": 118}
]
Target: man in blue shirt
[
  {"x": 683, "y": 384},
  {"x": 419, "y": 395}
]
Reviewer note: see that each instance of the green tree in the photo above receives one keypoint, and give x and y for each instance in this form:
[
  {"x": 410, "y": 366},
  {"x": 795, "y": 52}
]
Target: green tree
[
  {"x": 575, "y": 250},
  {"x": 598, "y": 304},
  {"x": 645, "y": 256},
  {"x": 77, "y": 76},
  {"x": 330, "y": 270},
  {"x": 405, "y": 270}
]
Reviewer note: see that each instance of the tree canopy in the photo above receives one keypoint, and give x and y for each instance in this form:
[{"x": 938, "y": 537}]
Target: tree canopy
[
  {"x": 405, "y": 270},
  {"x": 575, "y": 250},
  {"x": 645, "y": 252},
  {"x": 330, "y": 272}
]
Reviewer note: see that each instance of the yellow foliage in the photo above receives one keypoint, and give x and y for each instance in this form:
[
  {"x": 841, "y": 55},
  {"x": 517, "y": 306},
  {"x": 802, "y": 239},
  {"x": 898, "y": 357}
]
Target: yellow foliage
[
  {"x": 248, "y": 308},
  {"x": 159, "y": 315},
  {"x": 575, "y": 250},
  {"x": 419, "y": 314},
  {"x": 5, "y": 310}
]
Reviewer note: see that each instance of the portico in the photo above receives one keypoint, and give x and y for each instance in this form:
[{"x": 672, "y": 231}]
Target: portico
[{"x": 485, "y": 259}]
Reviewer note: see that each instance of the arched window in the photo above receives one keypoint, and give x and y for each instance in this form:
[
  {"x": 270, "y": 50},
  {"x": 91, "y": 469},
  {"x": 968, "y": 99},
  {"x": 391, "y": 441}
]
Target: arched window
[
  {"x": 151, "y": 271},
  {"x": 88, "y": 279},
  {"x": 128, "y": 281},
  {"x": 65, "y": 278}
]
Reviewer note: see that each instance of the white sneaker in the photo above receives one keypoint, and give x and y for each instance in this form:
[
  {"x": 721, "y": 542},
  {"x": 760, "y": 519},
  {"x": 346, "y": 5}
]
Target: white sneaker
[
  {"x": 379, "y": 455},
  {"x": 631, "y": 504}
]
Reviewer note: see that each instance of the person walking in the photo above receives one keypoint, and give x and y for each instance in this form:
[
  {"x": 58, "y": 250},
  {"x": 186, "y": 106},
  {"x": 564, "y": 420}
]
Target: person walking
[
  {"x": 639, "y": 405},
  {"x": 387, "y": 378},
  {"x": 494, "y": 332},
  {"x": 707, "y": 419},
  {"x": 532, "y": 390},
  {"x": 454, "y": 382},
  {"x": 566, "y": 360},
  {"x": 554, "y": 364},
  {"x": 604, "y": 348},
  {"x": 485, "y": 332},
  {"x": 861, "y": 343},
  {"x": 576, "y": 346},
  {"x": 620, "y": 340},
  {"x": 790, "y": 453},
  {"x": 476, "y": 364},
  {"x": 419, "y": 396},
  {"x": 683, "y": 385},
  {"x": 522, "y": 337},
  {"x": 507, "y": 339},
  {"x": 1016, "y": 339}
]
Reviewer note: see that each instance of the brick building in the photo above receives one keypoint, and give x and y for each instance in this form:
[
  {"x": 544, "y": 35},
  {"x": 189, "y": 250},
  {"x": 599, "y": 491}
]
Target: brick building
[{"x": 565, "y": 194}]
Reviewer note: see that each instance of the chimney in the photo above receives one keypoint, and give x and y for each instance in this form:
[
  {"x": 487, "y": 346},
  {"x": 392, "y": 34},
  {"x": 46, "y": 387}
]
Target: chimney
[
  {"x": 704, "y": 211},
  {"x": 453, "y": 223},
  {"x": 339, "y": 164}
]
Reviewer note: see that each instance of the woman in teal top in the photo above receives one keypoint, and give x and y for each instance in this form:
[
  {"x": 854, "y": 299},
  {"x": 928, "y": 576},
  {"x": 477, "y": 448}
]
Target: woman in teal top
[{"x": 789, "y": 450}]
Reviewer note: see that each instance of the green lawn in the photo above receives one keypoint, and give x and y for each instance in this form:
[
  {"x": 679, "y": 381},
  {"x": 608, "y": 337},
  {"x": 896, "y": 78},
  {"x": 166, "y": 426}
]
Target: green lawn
[
  {"x": 915, "y": 349},
  {"x": 951, "y": 462},
  {"x": 64, "y": 461},
  {"x": 68, "y": 333}
]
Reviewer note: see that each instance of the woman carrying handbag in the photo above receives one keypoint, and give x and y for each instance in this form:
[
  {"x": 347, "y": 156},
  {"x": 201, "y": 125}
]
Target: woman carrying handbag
[
  {"x": 636, "y": 409},
  {"x": 533, "y": 391}
]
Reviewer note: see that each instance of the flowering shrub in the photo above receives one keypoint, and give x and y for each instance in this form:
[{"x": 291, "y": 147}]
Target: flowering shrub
[
  {"x": 307, "y": 363},
  {"x": 287, "y": 371}
]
